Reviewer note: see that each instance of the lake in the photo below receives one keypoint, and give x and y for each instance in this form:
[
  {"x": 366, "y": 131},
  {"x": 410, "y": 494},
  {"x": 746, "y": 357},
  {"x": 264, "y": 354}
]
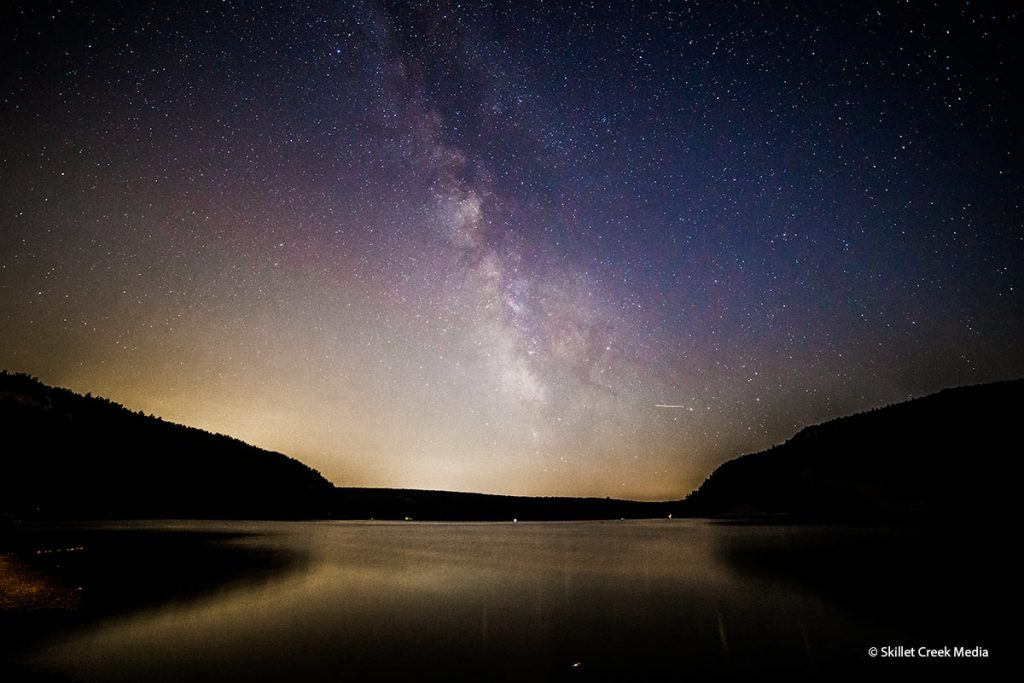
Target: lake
[{"x": 618, "y": 600}]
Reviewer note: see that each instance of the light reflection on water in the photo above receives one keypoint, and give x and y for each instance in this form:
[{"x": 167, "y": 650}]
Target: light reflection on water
[{"x": 502, "y": 601}]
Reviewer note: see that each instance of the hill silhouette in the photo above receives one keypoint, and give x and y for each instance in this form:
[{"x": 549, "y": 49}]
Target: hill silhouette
[
  {"x": 954, "y": 454},
  {"x": 67, "y": 455},
  {"x": 367, "y": 503}
]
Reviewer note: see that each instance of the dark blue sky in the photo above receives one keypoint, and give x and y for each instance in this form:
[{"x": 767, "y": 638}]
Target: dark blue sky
[{"x": 475, "y": 245}]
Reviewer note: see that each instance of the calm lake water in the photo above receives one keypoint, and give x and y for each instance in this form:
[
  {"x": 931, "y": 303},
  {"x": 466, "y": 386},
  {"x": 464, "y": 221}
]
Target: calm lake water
[{"x": 333, "y": 601}]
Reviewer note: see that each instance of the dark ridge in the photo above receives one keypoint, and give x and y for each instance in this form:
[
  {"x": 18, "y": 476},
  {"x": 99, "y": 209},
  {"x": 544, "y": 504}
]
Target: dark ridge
[
  {"x": 67, "y": 456},
  {"x": 954, "y": 454},
  {"x": 371, "y": 503},
  {"x": 72, "y": 456}
]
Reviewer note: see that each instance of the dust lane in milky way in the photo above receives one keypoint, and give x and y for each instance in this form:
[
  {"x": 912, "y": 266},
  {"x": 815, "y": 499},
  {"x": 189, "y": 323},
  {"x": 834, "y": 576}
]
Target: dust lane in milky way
[{"x": 580, "y": 250}]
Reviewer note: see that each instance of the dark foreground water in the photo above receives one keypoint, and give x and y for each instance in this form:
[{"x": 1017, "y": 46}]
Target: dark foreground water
[{"x": 656, "y": 600}]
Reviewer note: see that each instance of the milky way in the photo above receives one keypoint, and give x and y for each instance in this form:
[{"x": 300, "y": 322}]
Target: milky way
[{"x": 577, "y": 249}]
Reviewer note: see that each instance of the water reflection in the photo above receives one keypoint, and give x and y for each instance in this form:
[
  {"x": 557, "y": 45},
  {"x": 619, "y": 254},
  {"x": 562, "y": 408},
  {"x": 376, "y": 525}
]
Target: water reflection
[{"x": 509, "y": 602}]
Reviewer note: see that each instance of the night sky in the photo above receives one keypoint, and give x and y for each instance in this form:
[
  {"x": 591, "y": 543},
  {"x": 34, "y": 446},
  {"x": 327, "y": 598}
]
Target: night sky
[{"x": 480, "y": 246}]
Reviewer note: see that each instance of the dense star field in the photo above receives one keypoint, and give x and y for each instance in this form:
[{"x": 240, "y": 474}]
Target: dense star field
[{"x": 527, "y": 248}]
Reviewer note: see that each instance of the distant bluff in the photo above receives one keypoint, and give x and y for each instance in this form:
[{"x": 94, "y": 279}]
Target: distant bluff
[
  {"x": 66, "y": 455},
  {"x": 954, "y": 454}
]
